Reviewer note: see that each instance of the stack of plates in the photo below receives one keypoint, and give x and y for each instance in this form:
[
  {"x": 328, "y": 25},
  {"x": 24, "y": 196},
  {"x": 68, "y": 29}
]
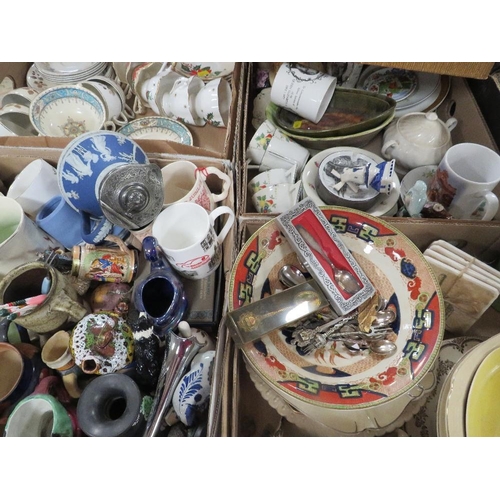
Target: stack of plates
[
  {"x": 43, "y": 75},
  {"x": 342, "y": 393},
  {"x": 413, "y": 91},
  {"x": 468, "y": 401}
]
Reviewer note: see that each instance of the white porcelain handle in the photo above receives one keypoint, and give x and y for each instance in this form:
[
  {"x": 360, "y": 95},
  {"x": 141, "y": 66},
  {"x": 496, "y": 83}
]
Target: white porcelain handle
[
  {"x": 227, "y": 226},
  {"x": 451, "y": 124},
  {"x": 386, "y": 147},
  {"x": 491, "y": 205}
]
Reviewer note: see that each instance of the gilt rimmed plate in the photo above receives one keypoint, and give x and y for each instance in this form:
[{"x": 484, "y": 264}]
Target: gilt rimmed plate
[
  {"x": 331, "y": 377},
  {"x": 383, "y": 206},
  {"x": 158, "y": 128},
  {"x": 424, "y": 423}
]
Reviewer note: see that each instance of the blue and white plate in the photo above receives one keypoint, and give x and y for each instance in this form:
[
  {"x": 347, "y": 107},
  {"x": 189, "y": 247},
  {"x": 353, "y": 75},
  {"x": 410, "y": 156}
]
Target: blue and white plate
[{"x": 86, "y": 160}]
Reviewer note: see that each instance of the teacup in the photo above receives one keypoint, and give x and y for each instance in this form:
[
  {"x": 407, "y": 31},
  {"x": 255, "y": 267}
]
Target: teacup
[
  {"x": 464, "y": 181},
  {"x": 283, "y": 152},
  {"x": 34, "y": 186},
  {"x": 20, "y": 239},
  {"x": 277, "y": 198},
  {"x": 14, "y": 123},
  {"x": 67, "y": 111},
  {"x": 180, "y": 100},
  {"x": 213, "y": 102},
  {"x": 186, "y": 234},
  {"x": 271, "y": 177},
  {"x": 183, "y": 181},
  {"x": 112, "y": 103},
  {"x": 154, "y": 88},
  {"x": 259, "y": 142},
  {"x": 304, "y": 91},
  {"x": 21, "y": 95},
  {"x": 15, "y": 108}
]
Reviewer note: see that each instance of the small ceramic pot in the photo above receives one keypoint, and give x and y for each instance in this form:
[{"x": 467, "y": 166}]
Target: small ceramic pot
[
  {"x": 112, "y": 406},
  {"x": 102, "y": 343},
  {"x": 39, "y": 415}
]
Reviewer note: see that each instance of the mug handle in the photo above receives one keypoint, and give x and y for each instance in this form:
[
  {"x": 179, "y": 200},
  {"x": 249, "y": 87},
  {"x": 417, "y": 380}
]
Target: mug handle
[
  {"x": 451, "y": 124},
  {"x": 96, "y": 234},
  {"x": 386, "y": 146},
  {"x": 491, "y": 204},
  {"x": 227, "y": 226},
  {"x": 128, "y": 112},
  {"x": 226, "y": 181},
  {"x": 120, "y": 119}
]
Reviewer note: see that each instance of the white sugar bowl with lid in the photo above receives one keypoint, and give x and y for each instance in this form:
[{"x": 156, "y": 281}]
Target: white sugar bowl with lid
[{"x": 417, "y": 139}]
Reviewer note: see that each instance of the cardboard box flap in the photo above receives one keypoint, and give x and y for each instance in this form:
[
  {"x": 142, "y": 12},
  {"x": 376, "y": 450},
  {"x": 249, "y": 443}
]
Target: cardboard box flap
[{"x": 479, "y": 70}]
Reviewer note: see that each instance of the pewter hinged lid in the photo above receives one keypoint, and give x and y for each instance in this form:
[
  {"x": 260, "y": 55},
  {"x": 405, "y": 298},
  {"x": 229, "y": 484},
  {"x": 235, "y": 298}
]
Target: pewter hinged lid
[{"x": 131, "y": 195}]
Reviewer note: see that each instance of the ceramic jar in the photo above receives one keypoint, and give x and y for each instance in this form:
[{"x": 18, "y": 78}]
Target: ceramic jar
[{"x": 417, "y": 139}]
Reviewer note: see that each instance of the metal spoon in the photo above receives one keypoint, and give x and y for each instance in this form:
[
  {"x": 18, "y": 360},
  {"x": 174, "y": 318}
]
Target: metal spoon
[
  {"x": 291, "y": 276},
  {"x": 344, "y": 278},
  {"x": 382, "y": 347}
]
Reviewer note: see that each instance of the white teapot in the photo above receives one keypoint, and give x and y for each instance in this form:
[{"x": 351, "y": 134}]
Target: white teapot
[{"x": 417, "y": 139}]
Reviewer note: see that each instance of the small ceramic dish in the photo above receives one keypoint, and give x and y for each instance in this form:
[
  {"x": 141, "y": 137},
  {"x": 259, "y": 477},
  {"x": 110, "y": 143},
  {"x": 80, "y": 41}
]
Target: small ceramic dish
[
  {"x": 67, "y": 111},
  {"x": 350, "y": 111},
  {"x": 158, "y": 127},
  {"x": 334, "y": 193},
  {"x": 385, "y": 205},
  {"x": 357, "y": 140},
  {"x": 14, "y": 123},
  {"x": 392, "y": 82}
]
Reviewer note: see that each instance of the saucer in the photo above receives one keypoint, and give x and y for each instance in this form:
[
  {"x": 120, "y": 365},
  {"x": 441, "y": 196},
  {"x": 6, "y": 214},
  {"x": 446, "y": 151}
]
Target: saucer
[
  {"x": 384, "y": 205},
  {"x": 157, "y": 128}
]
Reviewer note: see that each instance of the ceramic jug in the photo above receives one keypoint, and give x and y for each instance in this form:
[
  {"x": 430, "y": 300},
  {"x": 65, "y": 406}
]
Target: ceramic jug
[{"x": 161, "y": 294}]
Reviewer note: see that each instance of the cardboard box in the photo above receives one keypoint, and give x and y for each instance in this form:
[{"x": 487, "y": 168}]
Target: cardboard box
[
  {"x": 208, "y": 141},
  {"x": 460, "y": 104},
  {"x": 249, "y": 414},
  {"x": 207, "y": 297}
]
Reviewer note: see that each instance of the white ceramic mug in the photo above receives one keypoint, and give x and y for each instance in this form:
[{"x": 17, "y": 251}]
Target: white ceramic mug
[
  {"x": 464, "y": 181},
  {"x": 283, "y": 152},
  {"x": 187, "y": 236},
  {"x": 34, "y": 186},
  {"x": 271, "y": 177},
  {"x": 259, "y": 142},
  {"x": 20, "y": 238},
  {"x": 304, "y": 91},
  {"x": 277, "y": 198},
  {"x": 183, "y": 181}
]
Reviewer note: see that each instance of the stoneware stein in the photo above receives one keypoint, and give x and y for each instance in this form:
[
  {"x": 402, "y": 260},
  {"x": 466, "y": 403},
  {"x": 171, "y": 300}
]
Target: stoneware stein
[
  {"x": 39, "y": 415},
  {"x": 61, "y": 306},
  {"x": 464, "y": 181},
  {"x": 160, "y": 295},
  {"x": 111, "y": 406},
  {"x": 105, "y": 263},
  {"x": 21, "y": 240},
  {"x": 102, "y": 343},
  {"x": 56, "y": 354},
  {"x": 186, "y": 233},
  {"x": 184, "y": 181}
]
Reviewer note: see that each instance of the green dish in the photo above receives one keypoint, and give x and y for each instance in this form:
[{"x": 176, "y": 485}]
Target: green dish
[{"x": 350, "y": 111}]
